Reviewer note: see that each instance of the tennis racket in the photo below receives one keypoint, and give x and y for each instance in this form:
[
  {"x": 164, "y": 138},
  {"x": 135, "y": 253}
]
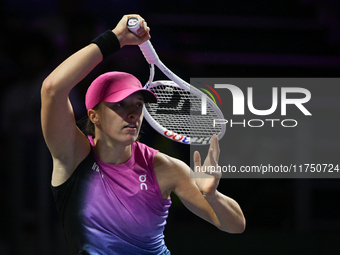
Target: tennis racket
[{"x": 178, "y": 113}]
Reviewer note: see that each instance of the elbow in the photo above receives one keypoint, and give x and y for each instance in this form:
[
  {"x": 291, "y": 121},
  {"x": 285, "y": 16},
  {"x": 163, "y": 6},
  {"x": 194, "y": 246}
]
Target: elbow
[
  {"x": 241, "y": 226},
  {"x": 47, "y": 88},
  {"x": 50, "y": 89},
  {"x": 238, "y": 227}
]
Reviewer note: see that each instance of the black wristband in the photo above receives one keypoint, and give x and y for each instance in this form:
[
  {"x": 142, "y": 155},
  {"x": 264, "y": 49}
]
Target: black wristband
[{"x": 108, "y": 43}]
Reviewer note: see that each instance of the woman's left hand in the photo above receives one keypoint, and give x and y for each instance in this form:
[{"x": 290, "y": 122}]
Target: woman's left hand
[{"x": 207, "y": 177}]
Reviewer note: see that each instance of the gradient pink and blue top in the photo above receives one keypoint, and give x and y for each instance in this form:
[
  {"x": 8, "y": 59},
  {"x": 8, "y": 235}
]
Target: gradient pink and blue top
[{"x": 114, "y": 209}]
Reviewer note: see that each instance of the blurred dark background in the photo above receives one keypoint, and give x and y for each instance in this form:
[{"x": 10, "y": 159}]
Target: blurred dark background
[{"x": 244, "y": 38}]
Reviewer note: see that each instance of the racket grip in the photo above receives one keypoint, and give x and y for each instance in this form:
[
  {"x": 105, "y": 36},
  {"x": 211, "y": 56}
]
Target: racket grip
[{"x": 147, "y": 49}]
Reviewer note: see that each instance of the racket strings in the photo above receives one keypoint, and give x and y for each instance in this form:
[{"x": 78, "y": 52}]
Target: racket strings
[{"x": 179, "y": 111}]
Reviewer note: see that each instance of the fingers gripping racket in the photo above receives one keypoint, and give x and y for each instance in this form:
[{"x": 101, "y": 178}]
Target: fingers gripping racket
[{"x": 178, "y": 113}]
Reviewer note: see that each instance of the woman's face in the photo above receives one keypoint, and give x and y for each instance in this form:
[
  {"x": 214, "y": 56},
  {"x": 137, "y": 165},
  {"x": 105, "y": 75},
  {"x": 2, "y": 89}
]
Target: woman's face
[{"x": 120, "y": 122}]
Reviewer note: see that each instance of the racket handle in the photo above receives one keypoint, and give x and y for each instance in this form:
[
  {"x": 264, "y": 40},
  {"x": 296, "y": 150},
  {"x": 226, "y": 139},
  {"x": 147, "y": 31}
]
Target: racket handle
[{"x": 147, "y": 49}]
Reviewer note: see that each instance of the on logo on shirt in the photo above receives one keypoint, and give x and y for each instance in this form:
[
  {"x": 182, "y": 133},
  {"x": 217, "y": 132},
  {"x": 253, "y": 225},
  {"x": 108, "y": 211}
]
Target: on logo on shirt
[{"x": 142, "y": 179}]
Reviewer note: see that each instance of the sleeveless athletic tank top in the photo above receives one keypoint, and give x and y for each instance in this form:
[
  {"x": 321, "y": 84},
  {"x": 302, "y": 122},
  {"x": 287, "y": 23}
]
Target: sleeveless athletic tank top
[{"x": 113, "y": 209}]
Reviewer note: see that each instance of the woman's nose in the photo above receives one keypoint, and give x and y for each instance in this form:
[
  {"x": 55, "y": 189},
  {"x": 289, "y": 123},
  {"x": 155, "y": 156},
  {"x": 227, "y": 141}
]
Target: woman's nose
[{"x": 133, "y": 112}]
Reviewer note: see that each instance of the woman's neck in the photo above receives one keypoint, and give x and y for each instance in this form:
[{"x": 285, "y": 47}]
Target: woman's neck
[{"x": 112, "y": 153}]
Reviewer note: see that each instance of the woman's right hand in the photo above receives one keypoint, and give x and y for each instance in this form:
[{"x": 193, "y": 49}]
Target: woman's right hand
[{"x": 126, "y": 37}]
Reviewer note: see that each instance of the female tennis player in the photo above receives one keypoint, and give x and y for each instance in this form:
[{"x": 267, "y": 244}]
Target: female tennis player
[{"x": 112, "y": 192}]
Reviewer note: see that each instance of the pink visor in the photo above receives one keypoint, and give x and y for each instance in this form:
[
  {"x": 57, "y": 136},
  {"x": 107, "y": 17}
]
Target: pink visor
[{"x": 113, "y": 87}]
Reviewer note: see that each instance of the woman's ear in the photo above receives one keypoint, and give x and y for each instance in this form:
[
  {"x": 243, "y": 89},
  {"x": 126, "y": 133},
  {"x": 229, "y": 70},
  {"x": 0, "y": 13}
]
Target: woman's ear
[{"x": 93, "y": 116}]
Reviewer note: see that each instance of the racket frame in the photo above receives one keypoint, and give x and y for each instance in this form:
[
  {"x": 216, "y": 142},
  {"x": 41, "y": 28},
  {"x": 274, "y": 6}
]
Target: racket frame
[{"x": 153, "y": 59}]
